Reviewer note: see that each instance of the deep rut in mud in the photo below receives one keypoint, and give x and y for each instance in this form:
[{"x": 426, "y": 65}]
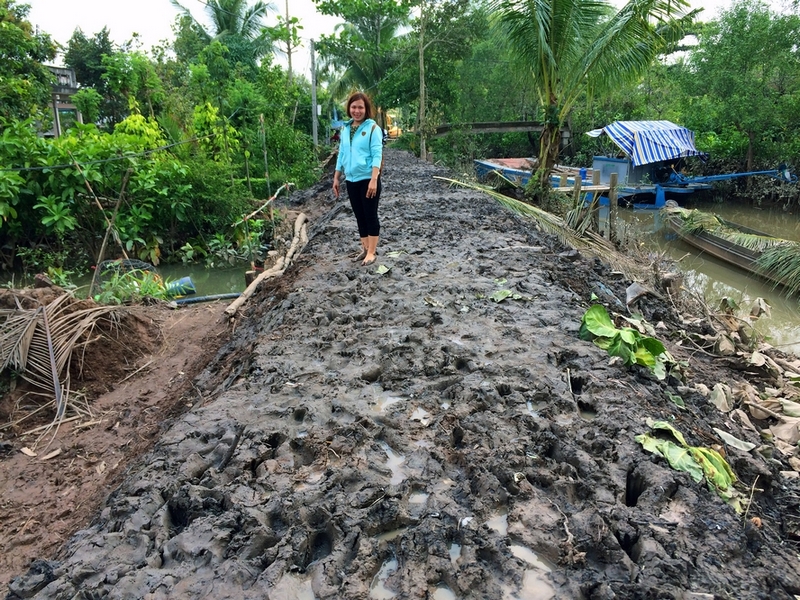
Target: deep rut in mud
[{"x": 393, "y": 431}]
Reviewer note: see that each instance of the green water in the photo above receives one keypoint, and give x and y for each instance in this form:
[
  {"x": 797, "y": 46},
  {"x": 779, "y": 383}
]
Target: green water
[
  {"x": 207, "y": 282},
  {"x": 714, "y": 279}
]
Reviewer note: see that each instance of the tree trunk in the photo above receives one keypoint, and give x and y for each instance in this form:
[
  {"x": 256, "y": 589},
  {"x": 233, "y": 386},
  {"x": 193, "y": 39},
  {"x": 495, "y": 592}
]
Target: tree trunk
[
  {"x": 548, "y": 156},
  {"x": 421, "y": 125}
]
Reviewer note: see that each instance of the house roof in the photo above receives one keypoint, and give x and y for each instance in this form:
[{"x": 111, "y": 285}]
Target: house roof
[{"x": 647, "y": 142}]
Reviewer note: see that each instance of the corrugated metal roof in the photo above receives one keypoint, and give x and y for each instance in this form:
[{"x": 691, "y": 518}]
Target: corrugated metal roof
[{"x": 647, "y": 142}]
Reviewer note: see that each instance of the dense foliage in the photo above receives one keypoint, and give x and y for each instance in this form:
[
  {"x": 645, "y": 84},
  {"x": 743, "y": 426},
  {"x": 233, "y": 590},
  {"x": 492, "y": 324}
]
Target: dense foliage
[{"x": 182, "y": 141}]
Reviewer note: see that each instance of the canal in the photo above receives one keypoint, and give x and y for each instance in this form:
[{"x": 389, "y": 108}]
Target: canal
[{"x": 713, "y": 279}]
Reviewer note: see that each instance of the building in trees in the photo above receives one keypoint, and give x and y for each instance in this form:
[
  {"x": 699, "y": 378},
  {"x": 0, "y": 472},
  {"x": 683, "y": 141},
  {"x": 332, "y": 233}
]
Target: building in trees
[{"x": 65, "y": 113}]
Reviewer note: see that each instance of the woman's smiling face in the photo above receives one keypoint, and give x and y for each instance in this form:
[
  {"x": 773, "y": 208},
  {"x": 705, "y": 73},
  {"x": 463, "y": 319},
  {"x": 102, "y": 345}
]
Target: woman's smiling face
[{"x": 357, "y": 110}]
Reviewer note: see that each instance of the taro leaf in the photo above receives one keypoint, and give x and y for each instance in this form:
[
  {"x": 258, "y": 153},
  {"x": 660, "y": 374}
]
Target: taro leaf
[
  {"x": 645, "y": 358},
  {"x": 621, "y": 349},
  {"x": 660, "y": 369},
  {"x": 787, "y": 430},
  {"x": 501, "y": 281},
  {"x": 603, "y": 343},
  {"x": 394, "y": 253},
  {"x": 734, "y": 441},
  {"x": 655, "y": 347},
  {"x": 628, "y": 335},
  {"x": 500, "y": 295},
  {"x": 649, "y": 442},
  {"x": 679, "y": 458},
  {"x": 676, "y": 399},
  {"x": 715, "y": 467},
  {"x": 667, "y": 427},
  {"x": 382, "y": 269},
  {"x": 598, "y": 322}
]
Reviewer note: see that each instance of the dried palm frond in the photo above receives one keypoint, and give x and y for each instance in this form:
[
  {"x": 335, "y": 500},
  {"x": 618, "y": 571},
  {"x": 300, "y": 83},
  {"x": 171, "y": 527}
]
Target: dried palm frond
[{"x": 38, "y": 343}]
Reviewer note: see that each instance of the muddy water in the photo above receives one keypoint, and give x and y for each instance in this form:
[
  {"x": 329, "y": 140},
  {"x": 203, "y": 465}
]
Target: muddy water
[{"x": 714, "y": 279}]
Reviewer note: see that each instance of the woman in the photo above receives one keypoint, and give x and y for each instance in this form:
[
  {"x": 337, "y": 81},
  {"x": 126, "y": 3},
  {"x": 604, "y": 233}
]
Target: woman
[{"x": 360, "y": 155}]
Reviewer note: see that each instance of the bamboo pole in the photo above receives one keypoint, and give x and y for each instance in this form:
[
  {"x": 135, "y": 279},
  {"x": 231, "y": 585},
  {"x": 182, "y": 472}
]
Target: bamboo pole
[
  {"x": 612, "y": 206},
  {"x": 110, "y": 227}
]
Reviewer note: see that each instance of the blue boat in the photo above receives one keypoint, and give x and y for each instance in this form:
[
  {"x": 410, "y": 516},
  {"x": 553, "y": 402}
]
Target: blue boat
[{"x": 648, "y": 166}]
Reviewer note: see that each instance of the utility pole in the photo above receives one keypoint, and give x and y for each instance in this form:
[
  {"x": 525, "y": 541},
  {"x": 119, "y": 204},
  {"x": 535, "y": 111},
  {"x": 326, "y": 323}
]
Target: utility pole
[
  {"x": 289, "y": 42},
  {"x": 313, "y": 96},
  {"x": 421, "y": 121}
]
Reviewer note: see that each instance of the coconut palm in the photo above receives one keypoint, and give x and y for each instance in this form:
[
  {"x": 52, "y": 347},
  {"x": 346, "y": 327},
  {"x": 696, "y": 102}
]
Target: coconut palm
[
  {"x": 362, "y": 52},
  {"x": 573, "y": 47},
  {"x": 235, "y": 18}
]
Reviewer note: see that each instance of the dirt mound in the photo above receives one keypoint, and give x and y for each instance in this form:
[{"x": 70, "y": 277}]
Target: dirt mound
[{"x": 404, "y": 430}]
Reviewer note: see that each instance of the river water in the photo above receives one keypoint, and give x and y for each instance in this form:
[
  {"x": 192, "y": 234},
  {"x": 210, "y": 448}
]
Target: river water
[{"x": 714, "y": 279}]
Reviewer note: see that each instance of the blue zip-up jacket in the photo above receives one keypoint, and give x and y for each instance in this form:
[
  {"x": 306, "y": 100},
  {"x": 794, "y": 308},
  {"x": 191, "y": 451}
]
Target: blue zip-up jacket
[{"x": 357, "y": 160}]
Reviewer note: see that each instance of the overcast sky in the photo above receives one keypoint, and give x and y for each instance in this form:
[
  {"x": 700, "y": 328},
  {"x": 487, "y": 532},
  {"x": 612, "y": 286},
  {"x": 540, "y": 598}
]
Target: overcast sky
[{"x": 152, "y": 20}]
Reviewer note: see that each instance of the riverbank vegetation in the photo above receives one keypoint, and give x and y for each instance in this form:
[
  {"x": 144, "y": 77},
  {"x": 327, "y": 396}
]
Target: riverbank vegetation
[{"x": 179, "y": 142}]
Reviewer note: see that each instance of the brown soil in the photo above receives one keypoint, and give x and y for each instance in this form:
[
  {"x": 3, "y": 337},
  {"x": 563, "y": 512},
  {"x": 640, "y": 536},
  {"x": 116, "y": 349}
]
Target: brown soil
[{"x": 395, "y": 432}]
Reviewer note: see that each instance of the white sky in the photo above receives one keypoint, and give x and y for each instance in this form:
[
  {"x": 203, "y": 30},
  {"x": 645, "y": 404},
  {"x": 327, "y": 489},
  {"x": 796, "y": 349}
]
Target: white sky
[{"x": 152, "y": 20}]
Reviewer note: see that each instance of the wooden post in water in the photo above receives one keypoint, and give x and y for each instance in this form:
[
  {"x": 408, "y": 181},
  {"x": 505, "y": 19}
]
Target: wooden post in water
[
  {"x": 576, "y": 193},
  {"x": 595, "y": 176},
  {"x": 612, "y": 206}
]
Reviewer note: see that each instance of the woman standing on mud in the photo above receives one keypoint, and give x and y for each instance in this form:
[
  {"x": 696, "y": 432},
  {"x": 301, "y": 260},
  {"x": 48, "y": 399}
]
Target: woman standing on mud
[{"x": 360, "y": 156}]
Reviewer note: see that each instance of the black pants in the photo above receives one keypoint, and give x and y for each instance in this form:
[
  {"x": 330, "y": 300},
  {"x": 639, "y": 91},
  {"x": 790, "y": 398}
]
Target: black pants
[{"x": 365, "y": 209}]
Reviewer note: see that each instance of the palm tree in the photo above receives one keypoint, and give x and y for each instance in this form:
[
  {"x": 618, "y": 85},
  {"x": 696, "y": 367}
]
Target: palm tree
[
  {"x": 573, "y": 47},
  {"x": 365, "y": 49},
  {"x": 235, "y": 18}
]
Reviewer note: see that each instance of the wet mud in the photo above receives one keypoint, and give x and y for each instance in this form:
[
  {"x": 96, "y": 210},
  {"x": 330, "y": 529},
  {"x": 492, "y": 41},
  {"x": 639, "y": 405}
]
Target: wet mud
[{"x": 393, "y": 431}]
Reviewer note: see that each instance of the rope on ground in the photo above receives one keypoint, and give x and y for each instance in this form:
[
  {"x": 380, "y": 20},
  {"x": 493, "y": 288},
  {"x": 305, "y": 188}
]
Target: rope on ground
[{"x": 298, "y": 243}]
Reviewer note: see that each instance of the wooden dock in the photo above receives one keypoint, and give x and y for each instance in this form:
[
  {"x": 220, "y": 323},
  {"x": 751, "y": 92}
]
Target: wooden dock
[{"x": 577, "y": 188}]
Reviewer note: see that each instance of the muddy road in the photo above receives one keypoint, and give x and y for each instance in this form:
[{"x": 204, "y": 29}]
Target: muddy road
[{"x": 394, "y": 431}]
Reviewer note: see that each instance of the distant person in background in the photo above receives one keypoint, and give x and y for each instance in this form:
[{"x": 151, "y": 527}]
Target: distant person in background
[{"x": 360, "y": 156}]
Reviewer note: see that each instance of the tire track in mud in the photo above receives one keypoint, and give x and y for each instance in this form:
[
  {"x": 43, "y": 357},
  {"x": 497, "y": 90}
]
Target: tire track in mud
[{"x": 402, "y": 434}]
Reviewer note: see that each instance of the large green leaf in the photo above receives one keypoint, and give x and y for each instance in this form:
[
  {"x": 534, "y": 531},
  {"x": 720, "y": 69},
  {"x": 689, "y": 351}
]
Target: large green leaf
[
  {"x": 653, "y": 345},
  {"x": 621, "y": 349},
  {"x": 598, "y": 322},
  {"x": 629, "y": 335},
  {"x": 716, "y": 468},
  {"x": 679, "y": 458},
  {"x": 645, "y": 357},
  {"x": 663, "y": 425}
]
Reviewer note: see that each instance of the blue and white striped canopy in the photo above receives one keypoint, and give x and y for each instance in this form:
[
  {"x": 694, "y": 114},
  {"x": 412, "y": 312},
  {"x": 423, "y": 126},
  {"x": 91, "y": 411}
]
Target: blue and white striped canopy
[{"x": 647, "y": 142}]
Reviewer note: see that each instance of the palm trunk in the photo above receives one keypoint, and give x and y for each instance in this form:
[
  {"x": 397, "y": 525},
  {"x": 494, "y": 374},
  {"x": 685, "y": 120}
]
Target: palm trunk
[{"x": 548, "y": 156}]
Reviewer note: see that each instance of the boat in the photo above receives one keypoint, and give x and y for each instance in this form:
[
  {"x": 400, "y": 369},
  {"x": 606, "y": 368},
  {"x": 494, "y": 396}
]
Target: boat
[
  {"x": 649, "y": 165},
  {"x": 735, "y": 244}
]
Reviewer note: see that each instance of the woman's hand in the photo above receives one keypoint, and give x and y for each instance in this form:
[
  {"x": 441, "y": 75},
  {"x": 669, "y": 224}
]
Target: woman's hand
[
  {"x": 372, "y": 188},
  {"x": 335, "y": 185}
]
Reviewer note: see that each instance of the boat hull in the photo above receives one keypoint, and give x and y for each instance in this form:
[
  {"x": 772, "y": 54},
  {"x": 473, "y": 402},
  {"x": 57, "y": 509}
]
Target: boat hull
[{"x": 724, "y": 250}]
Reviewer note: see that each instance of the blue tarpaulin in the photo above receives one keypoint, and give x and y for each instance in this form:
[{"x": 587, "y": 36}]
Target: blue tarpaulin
[{"x": 647, "y": 142}]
